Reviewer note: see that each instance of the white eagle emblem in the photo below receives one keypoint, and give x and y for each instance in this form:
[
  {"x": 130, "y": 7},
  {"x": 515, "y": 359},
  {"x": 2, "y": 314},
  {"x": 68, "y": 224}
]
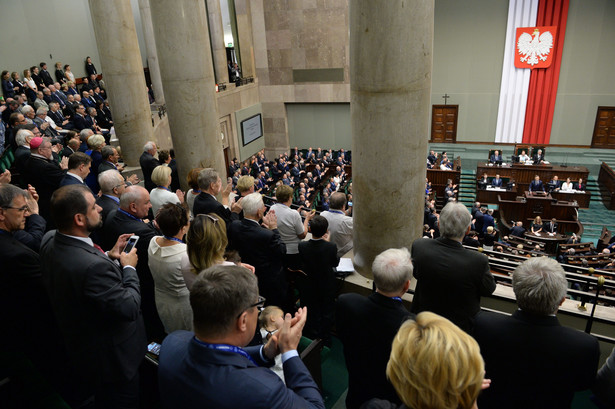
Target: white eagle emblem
[{"x": 535, "y": 48}]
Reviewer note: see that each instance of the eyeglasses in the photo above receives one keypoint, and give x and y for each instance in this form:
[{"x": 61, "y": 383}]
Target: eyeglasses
[
  {"x": 258, "y": 304},
  {"x": 21, "y": 209}
]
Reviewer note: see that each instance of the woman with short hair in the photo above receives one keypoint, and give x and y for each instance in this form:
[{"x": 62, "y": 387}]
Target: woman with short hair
[
  {"x": 161, "y": 194},
  {"x": 168, "y": 262}
]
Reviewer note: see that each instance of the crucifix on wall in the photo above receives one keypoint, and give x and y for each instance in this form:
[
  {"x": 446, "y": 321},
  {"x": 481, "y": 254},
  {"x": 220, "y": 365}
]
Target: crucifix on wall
[{"x": 446, "y": 97}]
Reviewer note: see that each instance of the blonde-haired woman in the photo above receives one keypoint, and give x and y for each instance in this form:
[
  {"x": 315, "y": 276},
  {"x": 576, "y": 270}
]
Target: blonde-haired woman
[
  {"x": 161, "y": 194},
  {"x": 206, "y": 240},
  {"x": 434, "y": 365},
  {"x": 537, "y": 225}
]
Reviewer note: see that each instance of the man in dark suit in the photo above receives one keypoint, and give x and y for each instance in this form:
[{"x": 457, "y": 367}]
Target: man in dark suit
[
  {"x": 78, "y": 169},
  {"x": 261, "y": 247},
  {"x": 533, "y": 361},
  {"x": 518, "y": 230},
  {"x": 148, "y": 163},
  {"x": 44, "y": 173},
  {"x": 128, "y": 218},
  {"x": 319, "y": 259},
  {"x": 539, "y": 157},
  {"x": 96, "y": 302},
  {"x": 210, "y": 367},
  {"x": 22, "y": 152},
  {"x": 495, "y": 157},
  {"x": 488, "y": 220},
  {"x": 497, "y": 181},
  {"x": 55, "y": 113},
  {"x": 367, "y": 326},
  {"x": 450, "y": 279},
  {"x": 111, "y": 186},
  {"x": 210, "y": 184},
  {"x": 536, "y": 185},
  {"x": 551, "y": 227},
  {"x": 79, "y": 118},
  {"x": 110, "y": 159},
  {"x": 45, "y": 75}
]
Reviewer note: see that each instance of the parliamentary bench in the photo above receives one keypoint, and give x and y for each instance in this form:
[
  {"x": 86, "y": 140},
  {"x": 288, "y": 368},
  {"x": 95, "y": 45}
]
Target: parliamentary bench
[
  {"x": 528, "y": 244},
  {"x": 593, "y": 260},
  {"x": 578, "y": 247}
]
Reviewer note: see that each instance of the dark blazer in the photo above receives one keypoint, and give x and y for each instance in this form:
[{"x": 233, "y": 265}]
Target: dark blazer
[
  {"x": 366, "y": 326},
  {"x": 265, "y": 250},
  {"x": 533, "y": 361},
  {"x": 148, "y": 164},
  {"x": 539, "y": 158},
  {"x": 106, "y": 165},
  {"x": 194, "y": 376},
  {"x": 68, "y": 179},
  {"x": 21, "y": 157},
  {"x": 79, "y": 122},
  {"x": 60, "y": 76},
  {"x": 319, "y": 258},
  {"x": 450, "y": 280},
  {"x": 45, "y": 176},
  {"x": 550, "y": 227},
  {"x": 494, "y": 158},
  {"x": 487, "y": 221},
  {"x": 496, "y": 182},
  {"x": 118, "y": 223},
  {"x": 46, "y": 77},
  {"x": 108, "y": 205},
  {"x": 57, "y": 117},
  {"x": 534, "y": 186},
  {"x": 67, "y": 151},
  {"x": 97, "y": 305},
  {"x": 206, "y": 203},
  {"x": 518, "y": 231}
]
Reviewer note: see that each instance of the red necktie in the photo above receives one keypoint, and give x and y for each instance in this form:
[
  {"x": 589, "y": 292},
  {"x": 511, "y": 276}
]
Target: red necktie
[{"x": 97, "y": 247}]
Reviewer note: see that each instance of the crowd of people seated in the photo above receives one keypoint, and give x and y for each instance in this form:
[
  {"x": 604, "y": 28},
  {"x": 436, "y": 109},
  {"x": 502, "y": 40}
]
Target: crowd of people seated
[{"x": 55, "y": 104}]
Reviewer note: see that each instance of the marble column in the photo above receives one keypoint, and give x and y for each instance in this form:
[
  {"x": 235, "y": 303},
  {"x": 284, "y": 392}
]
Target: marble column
[
  {"x": 216, "y": 32},
  {"x": 152, "y": 53},
  {"x": 184, "y": 56},
  {"x": 118, "y": 47},
  {"x": 391, "y": 46}
]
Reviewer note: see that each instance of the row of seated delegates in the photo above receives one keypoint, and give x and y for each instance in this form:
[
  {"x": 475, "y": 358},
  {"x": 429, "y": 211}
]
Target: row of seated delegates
[
  {"x": 73, "y": 207},
  {"x": 321, "y": 157},
  {"x": 445, "y": 163},
  {"x": 539, "y": 157},
  {"x": 555, "y": 185}
]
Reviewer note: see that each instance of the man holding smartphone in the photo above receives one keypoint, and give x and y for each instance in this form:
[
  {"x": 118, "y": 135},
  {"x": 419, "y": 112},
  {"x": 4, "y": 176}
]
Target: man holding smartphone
[{"x": 96, "y": 300}]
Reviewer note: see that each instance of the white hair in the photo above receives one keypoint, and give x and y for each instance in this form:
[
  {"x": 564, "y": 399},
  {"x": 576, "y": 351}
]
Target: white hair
[
  {"x": 252, "y": 203},
  {"x": 540, "y": 285},
  {"x": 391, "y": 269}
]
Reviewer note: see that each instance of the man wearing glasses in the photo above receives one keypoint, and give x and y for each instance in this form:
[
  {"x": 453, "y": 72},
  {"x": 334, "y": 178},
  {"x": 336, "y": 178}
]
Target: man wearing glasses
[{"x": 212, "y": 367}]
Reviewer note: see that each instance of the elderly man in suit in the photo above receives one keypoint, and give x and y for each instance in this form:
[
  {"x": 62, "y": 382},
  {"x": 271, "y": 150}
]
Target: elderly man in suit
[
  {"x": 148, "y": 163},
  {"x": 536, "y": 185},
  {"x": 210, "y": 184},
  {"x": 367, "y": 326},
  {"x": 450, "y": 279},
  {"x": 128, "y": 218},
  {"x": 112, "y": 186},
  {"x": 261, "y": 247},
  {"x": 210, "y": 367},
  {"x": 495, "y": 157},
  {"x": 531, "y": 359},
  {"x": 95, "y": 300}
]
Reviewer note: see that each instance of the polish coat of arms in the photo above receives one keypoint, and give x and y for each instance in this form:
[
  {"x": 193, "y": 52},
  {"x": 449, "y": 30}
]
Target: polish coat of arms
[{"x": 534, "y": 46}]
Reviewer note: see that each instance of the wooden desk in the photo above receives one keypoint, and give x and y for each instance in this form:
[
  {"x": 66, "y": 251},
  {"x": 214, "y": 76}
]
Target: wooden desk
[
  {"x": 607, "y": 179},
  {"x": 551, "y": 242},
  {"x": 524, "y": 174},
  {"x": 582, "y": 198},
  {"x": 545, "y": 207},
  {"x": 438, "y": 179},
  {"x": 491, "y": 195}
]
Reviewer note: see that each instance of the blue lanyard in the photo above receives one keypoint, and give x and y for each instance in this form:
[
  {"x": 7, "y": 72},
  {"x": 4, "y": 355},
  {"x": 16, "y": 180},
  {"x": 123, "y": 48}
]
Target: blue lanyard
[
  {"x": 112, "y": 164},
  {"x": 396, "y": 299},
  {"x": 173, "y": 239},
  {"x": 336, "y": 211},
  {"x": 228, "y": 348},
  {"x": 196, "y": 191},
  {"x": 163, "y": 187},
  {"x": 129, "y": 215}
]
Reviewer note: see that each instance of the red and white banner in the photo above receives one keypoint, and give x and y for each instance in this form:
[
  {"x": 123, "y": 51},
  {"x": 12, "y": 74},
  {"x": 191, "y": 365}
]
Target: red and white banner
[{"x": 534, "y": 47}]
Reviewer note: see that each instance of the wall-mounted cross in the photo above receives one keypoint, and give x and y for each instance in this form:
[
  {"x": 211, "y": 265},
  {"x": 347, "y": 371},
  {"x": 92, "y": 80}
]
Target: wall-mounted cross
[{"x": 446, "y": 97}]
